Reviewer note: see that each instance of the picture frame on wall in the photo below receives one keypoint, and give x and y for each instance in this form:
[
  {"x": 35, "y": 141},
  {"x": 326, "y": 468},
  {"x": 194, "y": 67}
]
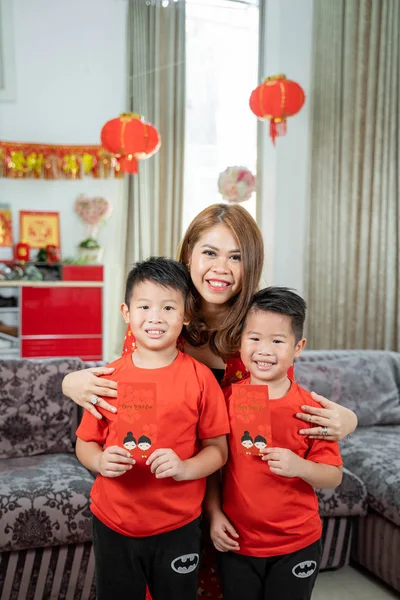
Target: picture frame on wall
[
  {"x": 39, "y": 229},
  {"x": 6, "y": 234}
]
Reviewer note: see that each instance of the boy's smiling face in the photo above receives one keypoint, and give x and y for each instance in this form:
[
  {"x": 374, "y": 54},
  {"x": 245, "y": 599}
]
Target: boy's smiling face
[
  {"x": 155, "y": 315},
  {"x": 268, "y": 346}
]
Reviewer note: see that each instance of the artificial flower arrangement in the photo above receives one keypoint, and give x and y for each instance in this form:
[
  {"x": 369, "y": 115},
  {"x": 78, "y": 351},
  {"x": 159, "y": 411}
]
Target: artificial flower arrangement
[
  {"x": 94, "y": 212},
  {"x": 236, "y": 184}
]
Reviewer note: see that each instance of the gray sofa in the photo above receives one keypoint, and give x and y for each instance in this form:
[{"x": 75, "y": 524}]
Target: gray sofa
[
  {"x": 45, "y": 533},
  {"x": 45, "y": 522},
  {"x": 367, "y": 382}
]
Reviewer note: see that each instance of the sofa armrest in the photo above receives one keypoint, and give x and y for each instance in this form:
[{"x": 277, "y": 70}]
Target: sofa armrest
[
  {"x": 349, "y": 499},
  {"x": 365, "y": 381}
]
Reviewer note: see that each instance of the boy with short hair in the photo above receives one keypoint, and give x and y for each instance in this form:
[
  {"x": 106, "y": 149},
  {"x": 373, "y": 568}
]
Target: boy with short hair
[
  {"x": 146, "y": 511},
  {"x": 267, "y": 527}
]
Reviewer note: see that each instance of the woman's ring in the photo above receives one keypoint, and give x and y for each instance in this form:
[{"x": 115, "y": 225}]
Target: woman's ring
[
  {"x": 324, "y": 431},
  {"x": 95, "y": 400}
]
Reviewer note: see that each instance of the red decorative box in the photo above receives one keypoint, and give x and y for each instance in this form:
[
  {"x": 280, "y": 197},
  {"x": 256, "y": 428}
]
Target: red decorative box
[{"x": 82, "y": 273}]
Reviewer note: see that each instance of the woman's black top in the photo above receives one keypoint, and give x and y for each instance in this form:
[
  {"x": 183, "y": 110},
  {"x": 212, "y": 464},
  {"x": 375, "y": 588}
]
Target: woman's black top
[{"x": 218, "y": 374}]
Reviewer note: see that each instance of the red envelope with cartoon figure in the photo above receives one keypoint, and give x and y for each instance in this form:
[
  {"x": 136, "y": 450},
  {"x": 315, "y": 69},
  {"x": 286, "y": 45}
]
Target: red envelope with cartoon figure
[
  {"x": 137, "y": 418},
  {"x": 251, "y": 423}
]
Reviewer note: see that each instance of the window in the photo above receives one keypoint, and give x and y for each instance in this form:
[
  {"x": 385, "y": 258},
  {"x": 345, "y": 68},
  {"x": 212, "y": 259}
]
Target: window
[
  {"x": 221, "y": 72},
  {"x": 7, "y": 65}
]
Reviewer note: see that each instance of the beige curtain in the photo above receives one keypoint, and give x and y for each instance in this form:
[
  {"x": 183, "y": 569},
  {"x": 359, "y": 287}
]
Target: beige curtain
[
  {"x": 354, "y": 220},
  {"x": 156, "y": 90}
]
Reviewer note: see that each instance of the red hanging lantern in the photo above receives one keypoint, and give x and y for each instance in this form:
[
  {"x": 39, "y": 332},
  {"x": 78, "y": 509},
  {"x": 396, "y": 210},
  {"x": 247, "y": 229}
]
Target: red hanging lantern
[
  {"x": 275, "y": 99},
  {"x": 130, "y": 138}
]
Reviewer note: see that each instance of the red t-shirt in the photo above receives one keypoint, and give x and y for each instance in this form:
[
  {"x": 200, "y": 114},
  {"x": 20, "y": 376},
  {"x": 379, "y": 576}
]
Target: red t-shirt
[
  {"x": 190, "y": 407},
  {"x": 275, "y": 515}
]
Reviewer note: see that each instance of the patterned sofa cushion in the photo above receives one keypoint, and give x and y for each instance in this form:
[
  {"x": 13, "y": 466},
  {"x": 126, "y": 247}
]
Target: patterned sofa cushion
[
  {"x": 35, "y": 417},
  {"x": 366, "y": 381},
  {"x": 44, "y": 501},
  {"x": 347, "y": 500},
  {"x": 373, "y": 454}
]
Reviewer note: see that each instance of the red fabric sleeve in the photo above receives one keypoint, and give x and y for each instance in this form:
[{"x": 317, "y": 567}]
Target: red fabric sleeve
[
  {"x": 324, "y": 452},
  {"x": 213, "y": 420},
  {"x": 129, "y": 342},
  {"x": 92, "y": 429},
  {"x": 234, "y": 371}
]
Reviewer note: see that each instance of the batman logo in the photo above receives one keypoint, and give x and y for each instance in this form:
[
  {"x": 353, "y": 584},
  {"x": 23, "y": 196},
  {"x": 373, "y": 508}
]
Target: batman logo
[
  {"x": 186, "y": 563},
  {"x": 304, "y": 569}
]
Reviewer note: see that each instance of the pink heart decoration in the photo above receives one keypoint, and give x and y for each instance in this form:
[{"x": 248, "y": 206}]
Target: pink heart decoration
[{"x": 93, "y": 211}]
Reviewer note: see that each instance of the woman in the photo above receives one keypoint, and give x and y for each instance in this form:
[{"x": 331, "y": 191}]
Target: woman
[{"x": 223, "y": 250}]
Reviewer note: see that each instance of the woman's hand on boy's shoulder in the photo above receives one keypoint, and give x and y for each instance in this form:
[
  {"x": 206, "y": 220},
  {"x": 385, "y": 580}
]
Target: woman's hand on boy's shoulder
[
  {"x": 328, "y": 420},
  {"x": 86, "y": 387}
]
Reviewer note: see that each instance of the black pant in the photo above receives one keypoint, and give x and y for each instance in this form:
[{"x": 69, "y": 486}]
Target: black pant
[
  {"x": 286, "y": 577},
  {"x": 168, "y": 563}
]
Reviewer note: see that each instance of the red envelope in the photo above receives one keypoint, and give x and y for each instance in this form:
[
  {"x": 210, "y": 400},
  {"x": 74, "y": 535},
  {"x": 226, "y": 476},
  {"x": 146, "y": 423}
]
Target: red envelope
[
  {"x": 251, "y": 422},
  {"x": 137, "y": 418}
]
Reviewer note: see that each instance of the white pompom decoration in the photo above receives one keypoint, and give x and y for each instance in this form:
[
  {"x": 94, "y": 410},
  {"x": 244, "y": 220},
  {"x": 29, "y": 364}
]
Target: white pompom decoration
[{"x": 236, "y": 184}]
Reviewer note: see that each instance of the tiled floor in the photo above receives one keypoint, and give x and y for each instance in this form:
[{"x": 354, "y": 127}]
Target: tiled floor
[{"x": 351, "y": 584}]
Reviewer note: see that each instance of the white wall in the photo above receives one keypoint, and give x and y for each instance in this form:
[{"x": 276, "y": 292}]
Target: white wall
[
  {"x": 283, "y": 207},
  {"x": 70, "y": 72},
  {"x": 70, "y": 79}
]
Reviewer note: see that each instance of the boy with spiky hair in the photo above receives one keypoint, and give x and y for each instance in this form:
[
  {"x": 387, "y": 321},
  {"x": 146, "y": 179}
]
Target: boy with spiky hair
[
  {"x": 266, "y": 525},
  {"x": 146, "y": 512}
]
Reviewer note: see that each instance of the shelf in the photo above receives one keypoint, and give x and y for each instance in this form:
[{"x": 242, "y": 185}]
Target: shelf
[
  {"x": 16, "y": 283},
  {"x": 9, "y": 338},
  {"x": 6, "y": 353}
]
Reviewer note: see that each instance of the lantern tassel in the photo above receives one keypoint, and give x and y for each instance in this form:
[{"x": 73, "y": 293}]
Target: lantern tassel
[
  {"x": 277, "y": 127},
  {"x": 129, "y": 165}
]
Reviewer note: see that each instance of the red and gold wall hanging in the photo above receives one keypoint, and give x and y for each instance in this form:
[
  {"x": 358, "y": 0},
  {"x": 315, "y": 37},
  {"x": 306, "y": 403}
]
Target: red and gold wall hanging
[
  {"x": 131, "y": 139},
  {"x": 44, "y": 161},
  {"x": 276, "y": 99},
  {"x": 6, "y": 238}
]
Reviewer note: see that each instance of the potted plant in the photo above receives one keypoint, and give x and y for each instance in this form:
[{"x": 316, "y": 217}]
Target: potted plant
[
  {"x": 93, "y": 212},
  {"x": 90, "y": 250}
]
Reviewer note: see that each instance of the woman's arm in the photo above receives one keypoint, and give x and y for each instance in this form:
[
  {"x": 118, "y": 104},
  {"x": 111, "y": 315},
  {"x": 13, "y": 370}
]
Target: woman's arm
[
  {"x": 339, "y": 420},
  {"x": 86, "y": 385}
]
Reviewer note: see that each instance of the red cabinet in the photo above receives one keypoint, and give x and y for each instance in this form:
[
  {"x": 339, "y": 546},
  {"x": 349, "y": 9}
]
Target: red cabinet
[{"x": 62, "y": 320}]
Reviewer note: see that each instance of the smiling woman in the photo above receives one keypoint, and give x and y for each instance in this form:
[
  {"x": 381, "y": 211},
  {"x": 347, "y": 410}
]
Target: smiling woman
[
  {"x": 218, "y": 270},
  {"x": 224, "y": 251}
]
